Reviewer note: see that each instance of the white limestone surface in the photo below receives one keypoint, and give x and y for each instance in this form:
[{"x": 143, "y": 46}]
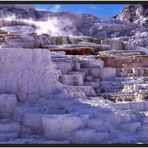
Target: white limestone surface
[
  {"x": 108, "y": 73},
  {"x": 34, "y": 122},
  {"x": 7, "y": 105},
  {"x": 60, "y": 126},
  {"x": 26, "y": 72}
]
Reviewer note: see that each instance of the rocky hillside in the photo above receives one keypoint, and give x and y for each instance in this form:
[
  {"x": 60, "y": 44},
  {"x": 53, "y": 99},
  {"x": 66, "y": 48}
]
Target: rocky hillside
[
  {"x": 135, "y": 13},
  {"x": 20, "y": 11},
  {"x": 73, "y": 23}
]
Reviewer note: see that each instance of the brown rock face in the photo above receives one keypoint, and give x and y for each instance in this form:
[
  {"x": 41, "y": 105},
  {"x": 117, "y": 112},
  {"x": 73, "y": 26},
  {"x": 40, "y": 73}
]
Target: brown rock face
[
  {"x": 76, "y": 51},
  {"x": 133, "y": 11},
  {"x": 126, "y": 62}
]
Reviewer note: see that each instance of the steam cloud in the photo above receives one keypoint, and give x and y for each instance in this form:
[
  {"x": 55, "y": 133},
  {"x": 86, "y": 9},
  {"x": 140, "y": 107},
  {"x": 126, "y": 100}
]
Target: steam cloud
[{"x": 53, "y": 26}]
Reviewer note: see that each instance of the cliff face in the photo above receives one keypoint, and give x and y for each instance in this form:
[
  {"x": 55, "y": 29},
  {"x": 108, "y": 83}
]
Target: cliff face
[
  {"x": 131, "y": 12},
  {"x": 135, "y": 13}
]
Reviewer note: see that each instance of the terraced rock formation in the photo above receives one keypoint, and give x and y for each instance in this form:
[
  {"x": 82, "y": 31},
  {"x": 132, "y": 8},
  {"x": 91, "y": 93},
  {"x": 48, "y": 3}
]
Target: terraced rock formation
[{"x": 80, "y": 88}]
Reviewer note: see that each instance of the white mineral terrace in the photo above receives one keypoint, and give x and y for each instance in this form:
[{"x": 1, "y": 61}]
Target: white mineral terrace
[{"x": 69, "y": 89}]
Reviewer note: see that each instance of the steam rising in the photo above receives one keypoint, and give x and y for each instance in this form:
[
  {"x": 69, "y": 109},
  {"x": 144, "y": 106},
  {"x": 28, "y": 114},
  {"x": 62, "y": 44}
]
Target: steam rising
[{"x": 53, "y": 26}]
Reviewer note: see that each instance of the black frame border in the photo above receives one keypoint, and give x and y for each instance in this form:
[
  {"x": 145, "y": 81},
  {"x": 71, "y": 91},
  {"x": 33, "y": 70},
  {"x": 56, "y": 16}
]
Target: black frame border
[{"x": 73, "y": 2}]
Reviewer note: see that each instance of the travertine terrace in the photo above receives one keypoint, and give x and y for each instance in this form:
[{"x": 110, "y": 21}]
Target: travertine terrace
[{"x": 64, "y": 89}]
